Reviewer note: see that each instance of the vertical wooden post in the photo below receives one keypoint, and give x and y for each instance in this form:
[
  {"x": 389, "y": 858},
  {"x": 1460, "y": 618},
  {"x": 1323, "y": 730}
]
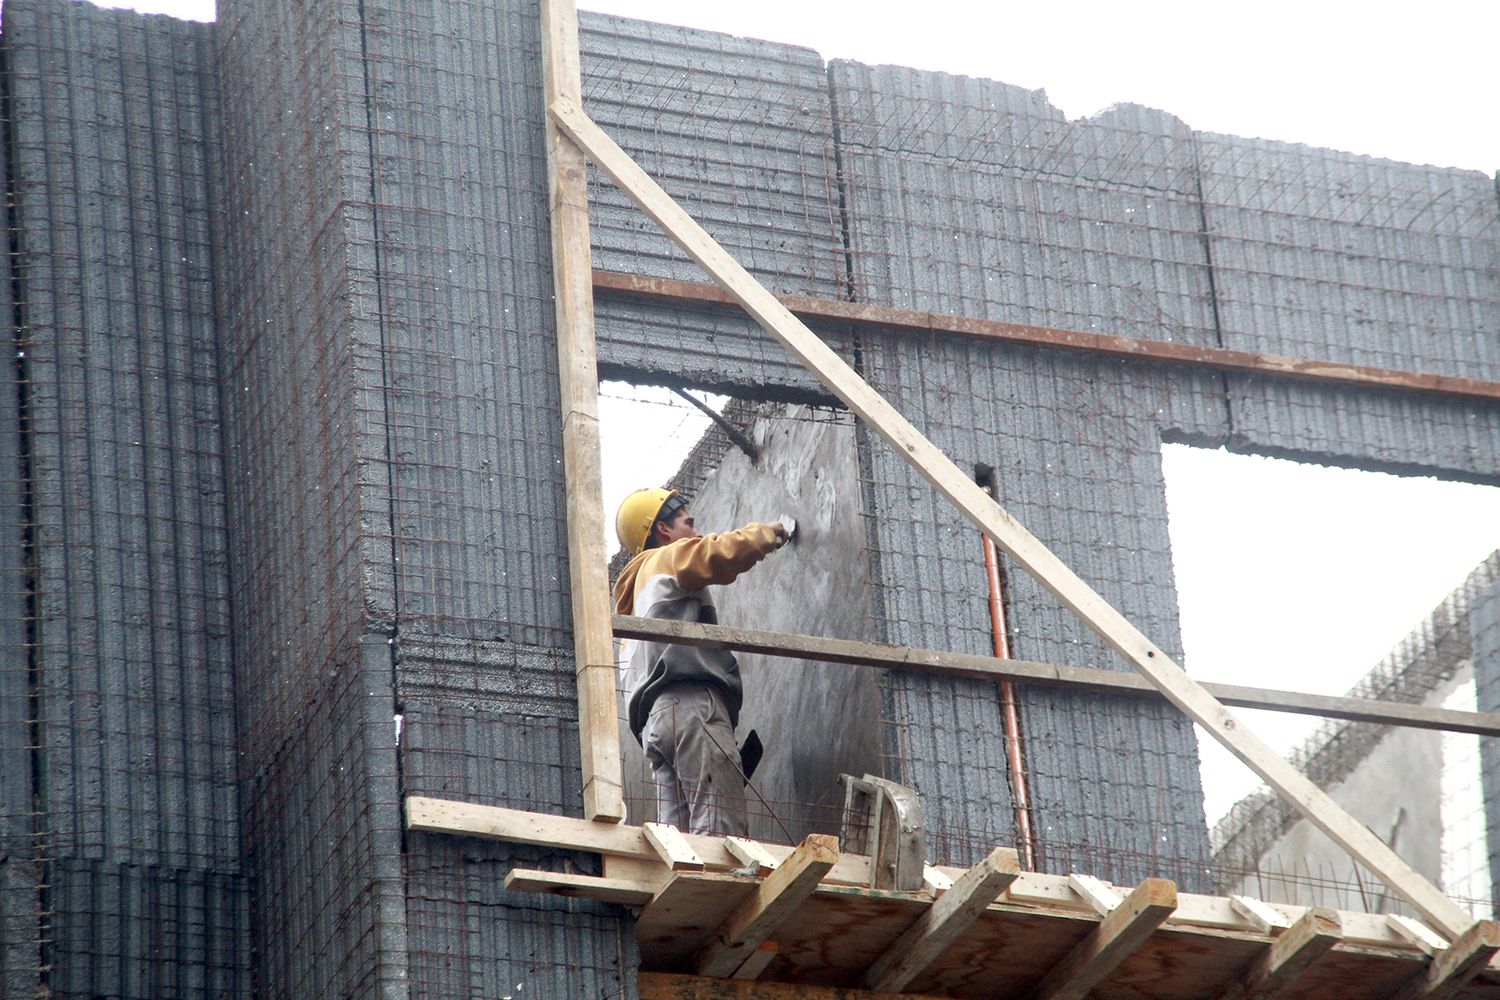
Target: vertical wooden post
[{"x": 572, "y": 276}]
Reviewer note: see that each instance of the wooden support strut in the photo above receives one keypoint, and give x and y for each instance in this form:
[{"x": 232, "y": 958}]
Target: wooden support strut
[
  {"x": 1452, "y": 968},
  {"x": 774, "y": 900},
  {"x": 1288, "y": 957},
  {"x": 567, "y": 189},
  {"x": 1118, "y": 935},
  {"x": 1006, "y": 531},
  {"x": 943, "y": 922}
]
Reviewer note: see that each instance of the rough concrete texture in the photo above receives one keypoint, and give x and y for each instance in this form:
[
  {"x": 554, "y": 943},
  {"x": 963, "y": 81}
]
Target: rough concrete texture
[
  {"x": 738, "y": 132},
  {"x": 979, "y": 198},
  {"x": 1320, "y": 254},
  {"x": 816, "y": 720},
  {"x": 20, "y": 874},
  {"x": 1073, "y": 444},
  {"x": 131, "y": 851},
  {"x": 403, "y": 227},
  {"x": 1392, "y": 791}
]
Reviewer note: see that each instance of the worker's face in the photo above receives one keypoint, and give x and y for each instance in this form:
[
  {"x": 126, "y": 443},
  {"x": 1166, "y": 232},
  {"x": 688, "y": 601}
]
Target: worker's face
[{"x": 681, "y": 526}]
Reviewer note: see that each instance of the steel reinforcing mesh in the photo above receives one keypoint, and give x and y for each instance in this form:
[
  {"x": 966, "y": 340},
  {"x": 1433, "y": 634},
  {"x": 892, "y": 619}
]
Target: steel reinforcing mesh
[{"x": 122, "y": 833}]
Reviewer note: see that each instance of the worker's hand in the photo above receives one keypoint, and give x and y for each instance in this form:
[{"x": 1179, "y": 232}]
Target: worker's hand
[{"x": 785, "y": 527}]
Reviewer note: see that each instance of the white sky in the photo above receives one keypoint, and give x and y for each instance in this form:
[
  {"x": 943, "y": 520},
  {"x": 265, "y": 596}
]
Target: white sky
[{"x": 1412, "y": 82}]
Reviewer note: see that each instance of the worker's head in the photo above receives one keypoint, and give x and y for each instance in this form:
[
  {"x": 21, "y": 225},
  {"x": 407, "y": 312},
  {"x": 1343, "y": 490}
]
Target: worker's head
[{"x": 649, "y": 518}]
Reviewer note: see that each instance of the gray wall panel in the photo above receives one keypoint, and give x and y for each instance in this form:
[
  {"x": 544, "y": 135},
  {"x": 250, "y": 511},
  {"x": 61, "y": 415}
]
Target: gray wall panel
[
  {"x": 737, "y": 130},
  {"x": 975, "y": 198},
  {"x": 111, "y": 117},
  {"x": 1326, "y": 255},
  {"x": 979, "y": 198},
  {"x": 465, "y": 319}
]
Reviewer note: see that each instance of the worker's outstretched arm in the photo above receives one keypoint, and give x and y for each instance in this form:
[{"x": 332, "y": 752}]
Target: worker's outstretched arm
[{"x": 720, "y": 558}]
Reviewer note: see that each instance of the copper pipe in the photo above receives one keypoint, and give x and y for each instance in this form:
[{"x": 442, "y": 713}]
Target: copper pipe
[{"x": 1008, "y": 705}]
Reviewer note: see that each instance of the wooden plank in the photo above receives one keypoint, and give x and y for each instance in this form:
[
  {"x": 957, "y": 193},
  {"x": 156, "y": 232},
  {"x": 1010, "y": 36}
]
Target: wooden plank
[
  {"x": 1417, "y": 933},
  {"x": 1217, "y": 358},
  {"x": 942, "y": 923},
  {"x": 935, "y": 880},
  {"x": 988, "y": 668},
  {"x": 1100, "y": 895},
  {"x": 773, "y": 901},
  {"x": 1118, "y": 935},
  {"x": 967, "y": 495},
  {"x": 1452, "y": 969},
  {"x": 1288, "y": 957},
  {"x": 573, "y": 291},
  {"x": 759, "y": 959},
  {"x": 626, "y": 892},
  {"x": 1264, "y": 916},
  {"x": 675, "y": 852},
  {"x": 667, "y": 986},
  {"x": 751, "y": 853},
  {"x": 682, "y": 915}
]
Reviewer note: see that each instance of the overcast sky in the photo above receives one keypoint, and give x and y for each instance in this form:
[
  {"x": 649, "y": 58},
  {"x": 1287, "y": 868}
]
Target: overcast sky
[{"x": 1290, "y": 576}]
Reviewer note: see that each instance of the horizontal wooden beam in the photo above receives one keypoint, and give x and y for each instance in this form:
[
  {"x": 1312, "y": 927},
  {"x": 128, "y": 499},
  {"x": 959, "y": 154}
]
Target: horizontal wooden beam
[
  {"x": 667, "y": 986},
  {"x": 872, "y": 654},
  {"x": 942, "y": 923},
  {"x": 641, "y": 874},
  {"x": 1219, "y": 358},
  {"x": 1452, "y": 969},
  {"x": 774, "y": 900},
  {"x": 615, "y": 840},
  {"x": 625, "y": 892},
  {"x": 1288, "y": 957}
]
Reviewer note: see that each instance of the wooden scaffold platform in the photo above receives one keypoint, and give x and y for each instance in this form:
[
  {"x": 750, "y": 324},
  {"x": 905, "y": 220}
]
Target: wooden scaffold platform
[{"x": 731, "y": 919}]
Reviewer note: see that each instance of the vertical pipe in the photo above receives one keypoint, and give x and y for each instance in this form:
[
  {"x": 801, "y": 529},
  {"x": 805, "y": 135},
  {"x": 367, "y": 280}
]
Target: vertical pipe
[{"x": 1008, "y": 705}]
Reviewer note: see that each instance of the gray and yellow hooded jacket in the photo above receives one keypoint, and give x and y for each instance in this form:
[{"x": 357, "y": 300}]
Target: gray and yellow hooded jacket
[{"x": 671, "y": 582}]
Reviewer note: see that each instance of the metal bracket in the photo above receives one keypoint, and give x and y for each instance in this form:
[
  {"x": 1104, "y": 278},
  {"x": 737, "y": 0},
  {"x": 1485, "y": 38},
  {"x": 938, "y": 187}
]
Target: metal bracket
[{"x": 886, "y": 819}]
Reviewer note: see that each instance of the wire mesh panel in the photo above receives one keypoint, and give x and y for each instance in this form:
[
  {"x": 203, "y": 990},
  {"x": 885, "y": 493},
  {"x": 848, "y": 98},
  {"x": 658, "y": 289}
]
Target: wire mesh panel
[
  {"x": 323, "y": 843},
  {"x": 306, "y": 439},
  {"x": 979, "y": 199},
  {"x": 20, "y": 873},
  {"x": 738, "y": 132},
  {"x": 120, "y": 693},
  {"x": 1327, "y": 255}
]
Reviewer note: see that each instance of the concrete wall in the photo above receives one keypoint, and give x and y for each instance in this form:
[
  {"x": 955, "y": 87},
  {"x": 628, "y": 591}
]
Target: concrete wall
[{"x": 118, "y": 739}]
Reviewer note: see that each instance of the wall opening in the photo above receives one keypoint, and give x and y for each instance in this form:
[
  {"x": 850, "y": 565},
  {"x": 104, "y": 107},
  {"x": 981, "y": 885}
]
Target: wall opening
[
  {"x": 814, "y": 720},
  {"x": 1304, "y": 577}
]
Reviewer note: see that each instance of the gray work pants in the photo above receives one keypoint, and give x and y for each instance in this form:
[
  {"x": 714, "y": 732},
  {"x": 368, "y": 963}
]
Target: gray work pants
[{"x": 694, "y": 762}]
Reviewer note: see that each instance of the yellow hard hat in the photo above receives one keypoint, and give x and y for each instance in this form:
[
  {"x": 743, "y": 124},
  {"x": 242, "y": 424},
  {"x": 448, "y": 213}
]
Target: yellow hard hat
[{"x": 636, "y": 516}]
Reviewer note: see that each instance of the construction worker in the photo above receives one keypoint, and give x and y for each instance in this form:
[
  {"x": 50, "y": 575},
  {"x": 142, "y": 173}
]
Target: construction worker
[{"x": 684, "y": 701}]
